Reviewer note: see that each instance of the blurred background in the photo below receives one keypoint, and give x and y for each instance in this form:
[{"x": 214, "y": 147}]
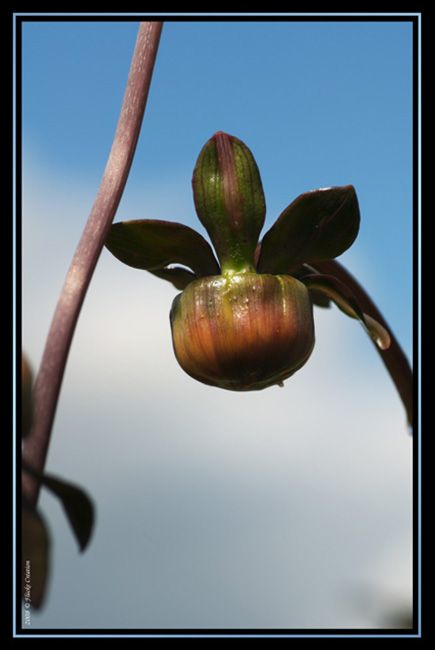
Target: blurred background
[{"x": 286, "y": 508}]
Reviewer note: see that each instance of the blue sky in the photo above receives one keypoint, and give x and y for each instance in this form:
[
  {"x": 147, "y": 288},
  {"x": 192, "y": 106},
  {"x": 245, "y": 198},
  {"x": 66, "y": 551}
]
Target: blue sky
[{"x": 319, "y": 104}]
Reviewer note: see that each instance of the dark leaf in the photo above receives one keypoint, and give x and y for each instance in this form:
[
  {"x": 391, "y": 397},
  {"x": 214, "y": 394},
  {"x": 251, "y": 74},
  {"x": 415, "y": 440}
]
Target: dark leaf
[
  {"x": 77, "y": 505},
  {"x": 35, "y": 558},
  {"x": 319, "y": 299},
  {"x": 26, "y": 396},
  {"x": 318, "y": 225},
  {"x": 153, "y": 245}
]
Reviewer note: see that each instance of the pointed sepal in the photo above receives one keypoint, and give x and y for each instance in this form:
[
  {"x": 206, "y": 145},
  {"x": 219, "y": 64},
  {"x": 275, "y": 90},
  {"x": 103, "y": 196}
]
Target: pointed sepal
[
  {"x": 318, "y": 225},
  {"x": 154, "y": 245}
]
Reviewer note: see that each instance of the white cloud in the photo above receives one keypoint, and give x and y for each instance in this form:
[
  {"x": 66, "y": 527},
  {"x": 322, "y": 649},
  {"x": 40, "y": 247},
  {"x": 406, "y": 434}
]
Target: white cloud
[{"x": 214, "y": 508}]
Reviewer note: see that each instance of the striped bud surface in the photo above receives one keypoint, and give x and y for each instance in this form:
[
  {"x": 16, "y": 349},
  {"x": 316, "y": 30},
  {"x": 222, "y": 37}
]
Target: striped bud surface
[
  {"x": 243, "y": 332},
  {"x": 229, "y": 200}
]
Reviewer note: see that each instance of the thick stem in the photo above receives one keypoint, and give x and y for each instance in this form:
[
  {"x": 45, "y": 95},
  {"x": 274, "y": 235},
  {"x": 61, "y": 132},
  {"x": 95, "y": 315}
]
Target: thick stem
[
  {"x": 49, "y": 379},
  {"x": 394, "y": 358}
]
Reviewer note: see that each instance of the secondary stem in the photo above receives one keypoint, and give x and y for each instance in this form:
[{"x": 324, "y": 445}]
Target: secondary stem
[
  {"x": 49, "y": 379},
  {"x": 394, "y": 358}
]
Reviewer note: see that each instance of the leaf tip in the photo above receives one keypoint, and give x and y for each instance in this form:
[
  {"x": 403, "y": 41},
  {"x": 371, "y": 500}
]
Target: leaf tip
[{"x": 378, "y": 333}]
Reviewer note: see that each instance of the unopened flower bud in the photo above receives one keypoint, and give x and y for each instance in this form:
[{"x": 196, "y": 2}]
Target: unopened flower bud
[
  {"x": 244, "y": 331},
  {"x": 229, "y": 200}
]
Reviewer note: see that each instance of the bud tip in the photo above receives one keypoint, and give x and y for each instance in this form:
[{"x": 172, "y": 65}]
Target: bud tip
[{"x": 220, "y": 135}]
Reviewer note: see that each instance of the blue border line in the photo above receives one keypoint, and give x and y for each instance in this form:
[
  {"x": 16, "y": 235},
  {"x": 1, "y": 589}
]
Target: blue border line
[
  {"x": 223, "y": 636},
  {"x": 213, "y": 15},
  {"x": 14, "y": 324},
  {"x": 199, "y": 635},
  {"x": 419, "y": 247}
]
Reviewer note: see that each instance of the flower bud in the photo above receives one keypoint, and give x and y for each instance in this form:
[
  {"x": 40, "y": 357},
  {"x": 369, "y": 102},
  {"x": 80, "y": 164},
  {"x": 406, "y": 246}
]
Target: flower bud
[
  {"x": 243, "y": 331},
  {"x": 229, "y": 200}
]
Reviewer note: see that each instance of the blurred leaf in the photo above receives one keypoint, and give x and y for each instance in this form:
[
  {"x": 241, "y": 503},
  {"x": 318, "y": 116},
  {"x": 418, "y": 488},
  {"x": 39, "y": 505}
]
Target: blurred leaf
[
  {"x": 153, "y": 245},
  {"x": 318, "y": 225},
  {"x": 35, "y": 557},
  {"x": 26, "y": 396},
  {"x": 77, "y": 505}
]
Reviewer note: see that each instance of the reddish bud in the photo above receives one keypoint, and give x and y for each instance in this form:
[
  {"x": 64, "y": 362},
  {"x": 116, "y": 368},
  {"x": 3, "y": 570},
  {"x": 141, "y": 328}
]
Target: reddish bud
[{"x": 242, "y": 332}]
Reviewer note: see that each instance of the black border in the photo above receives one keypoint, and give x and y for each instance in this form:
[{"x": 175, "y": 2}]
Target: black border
[{"x": 301, "y": 17}]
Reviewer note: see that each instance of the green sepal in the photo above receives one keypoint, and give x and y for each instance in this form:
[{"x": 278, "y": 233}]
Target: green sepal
[
  {"x": 154, "y": 245},
  {"x": 318, "y": 225}
]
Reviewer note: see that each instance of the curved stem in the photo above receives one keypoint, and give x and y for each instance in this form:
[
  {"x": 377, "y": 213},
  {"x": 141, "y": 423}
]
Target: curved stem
[
  {"x": 394, "y": 358},
  {"x": 49, "y": 379},
  {"x": 338, "y": 292}
]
